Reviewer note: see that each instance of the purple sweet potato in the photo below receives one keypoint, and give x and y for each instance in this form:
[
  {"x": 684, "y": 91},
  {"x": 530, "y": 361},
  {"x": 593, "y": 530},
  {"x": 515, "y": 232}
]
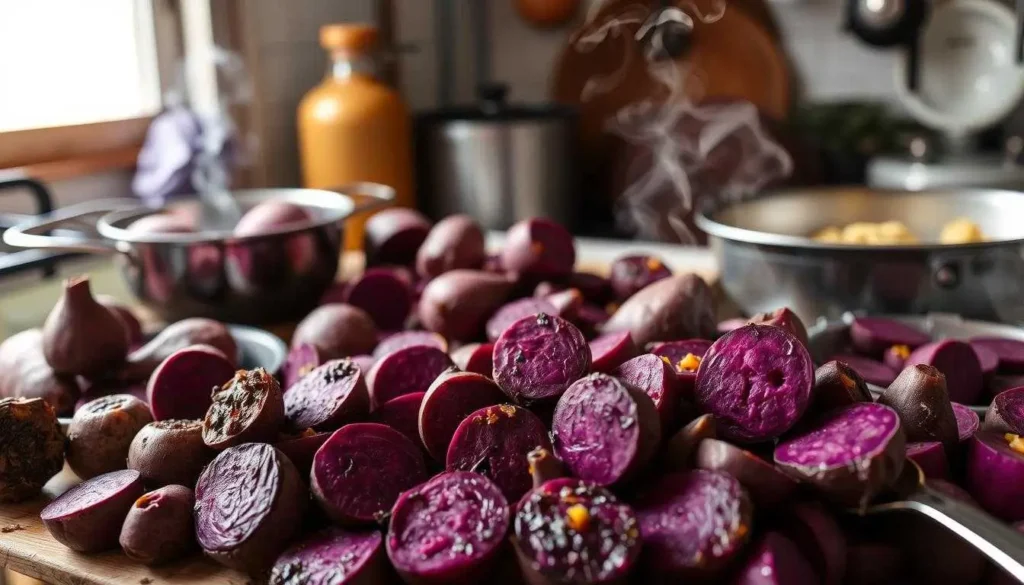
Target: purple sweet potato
[
  {"x": 176, "y": 336},
  {"x": 169, "y": 452},
  {"x": 538, "y": 248},
  {"x": 776, "y": 560},
  {"x": 337, "y": 330},
  {"x": 385, "y": 294},
  {"x": 544, "y": 466},
  {"x": 458, "y": 303},
  {"x": 995, "y": 467},
  {"x": 495, "y": 441},
  {"x": 609, "y": 351},
  {"x": 249, "y": 504},
  {"x": 182, "y": 384},
  {"x": 967, "y": 421},
  {"x": 450, "y": 399},
  {"x": 24, "y": 373},
  {"x": 1009, "y": 351},
  {"x": 836, "y": 384},
  {"x": 784, "y": 318},
  {"x": 655, "y": 378},
  {"x": 1000, "y": 383},
  {"x": 767, "y": 485},
  {"x": 595, "y": 288},
  {"x": 873, "y": 335},
  {"x": 987, "y": 359},
  {"x": 590, "y": 318},
  {"x": 402, "y": 414},
  {"x": 871, "y": 370},
  {"x": 365, "y": 362},
  {"x": 567, "y": 303},
  {"x": 680, "y": 307},
  {"x": 571, "y": 531},
  {"x": 514, "y": 311},
  {"x": 681, "y": 449},
  {"x": 301, "y": 360},
  {"x": 360, "y": 471},
  {"x": 159, "y": 527},
  {"x": 404, "y": 339},
  {"x": 393, "y": 236},
  {"x": 538, "y": 357},
  {"x": 815, "y": 531},
  {"x": 694, "y": 524},
  {"x": 406, "y": 371},
  {"x": 248, "y": 408},
  {"x": 629, "y": 274},
  {"x": 757, "y": 381},
  {"x": 333, "y": 556},
  {"x": 475, "y": 357},
  {"x": 300, "y": 449},
  {"x": 454, "y": 242},
  {"x": 919, "y": 397},
  {"x": 958, "y": 362},
  {"x": 449, "y": 530},
  {"x": 930, "y": 456},
  {"x": 676, "y": 353},
  {"x": 88, "y": 517},
  {"x": 850, "y": 455},
  {"x": 132, "y": 326},
  {"x": 730, "y": 324},
  {"x": 31, "y": 447},
  {"x": 328, "y": 397},
  {"x": 1006, "y": 413},
  {"x": 101, "y": 432},
  {"x": 605, "y": 431},
  {"x": 896, "y": 357}
]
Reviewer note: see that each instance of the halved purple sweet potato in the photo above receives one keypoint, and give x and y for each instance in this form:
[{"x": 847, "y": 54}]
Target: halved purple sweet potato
[
  {"x": 141, "y": 362},
  {"x": 538, "y": 357},
  {"x": 958, "y": 362},
  {"x": 301, "y": 448},
  {"x": 458, "y": 303},
  {"x": 776, "y": 560},
  {"x": 249, "y": 504},
  {"x": 337, "y": 330},
  {"x": 850, "y": 455},
  {"x": 360, "y": 471},
  {"x": 767, "y": 485},
  {"x": 836, "y": 384},
  {"x": 757, "y": 381},
  {"x": 334, "y": 556},
  {"x": 328, "y": 397},
  {"x": 604, "y": 430},
  {"x": 571, "y": 531},
  {"x": 609, "y": 351},
  {"x": 302, "y": 359},
  {"x": 655, "y": 378},
  {"x": 871, "y": 370},
  {"x": 475, "y": 357},
  {"x": 784, "y": 318},
  {"x": 995, "y": 467},
  {"x": 815, "y": 531},
  {"x": 159, "y": 527},
  {"x": 987, "y": 359},
  {"x": 31, "y": 447},
  {"x": 680, "y": 307},
  {"x": 1006, "y": 412},
  {"x": 249, "y": 408},
  {"x": 1009, "y": 351},
  {"x": 567, "y": 303},
  {"x": 919, "y": 397},
  {"x": 676, "y": 353},
  {"x": 538, "y": 248},
  {"x": 495, "y": 441},
  {"x": 514, "y": 311},
  {"x": 873, "y": 335},
  {"x": 595, "y": 288},
  {"x": 181, "y": 386},
  {"x": 681, "y": 449},
  {"x": 930, "y": 456},
  {"x": 449, "y": 530},
  {"x": 402, "y": 414},
  {"x": 450, "y": 399},
  {"x": 967, "y": 421},
  {"x": 454, "y": 242},
  {"x": 896, "y": 357},
  {"x": 393, "y": 236},
  {"x": 405, "y": 371},
  {"x": 169, "y": 452},
  {"x": 385, "y": 294},
  {"x": 100, "y": 434},
  {"x": 88, "y": 517},
  {"x": 404, "y": 339},
  {"x": 629, "y": 274},
  {"x": 694, "y": 525}
]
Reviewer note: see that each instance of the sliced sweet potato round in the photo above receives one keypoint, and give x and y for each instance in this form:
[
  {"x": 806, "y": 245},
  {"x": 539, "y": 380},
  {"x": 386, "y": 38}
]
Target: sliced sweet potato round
[
  {"x": 450, "y": 399},
  {"x": 654, "y": 377},
  {"x": 538, "y": 357},
  {"x": 930, "y": 456},
  {"x": 1006, "y": 412},
  {"x": 88, "y": 517},
  {"x": 1009, "y": 351},
  {"x": 328, "y": 397},
  {"x": 629, "y": 274},
  {"x": 181, "y": 386},
  {"x": 386, "y": 294},
  {"x": 958, "y": 363},
  {"x": 475, "y": 357},
  {"x": 404, "y": 339},
  {"x": 334, "y": 556},
  {"x": 514, "y": 311},
  {"x": 402, "y": 414},
  {"x": 995, "y": 467},
  {"x": 406, "y": 371},
  {"x": 610, "y": 350},
  {"x": 873, "y": 335},
  {"x": 249, "y": 408}
]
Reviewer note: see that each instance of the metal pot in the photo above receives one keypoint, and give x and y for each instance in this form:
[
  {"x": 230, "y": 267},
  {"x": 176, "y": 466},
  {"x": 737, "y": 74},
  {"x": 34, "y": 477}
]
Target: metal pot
[
  {"x": 766, "y": 259},
  {"x": 273, "y": 277},
  {"x": 497, "y": 162}
]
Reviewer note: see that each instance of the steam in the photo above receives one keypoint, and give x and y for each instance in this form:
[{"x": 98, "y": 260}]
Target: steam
[{"x": 688, "y": 142}]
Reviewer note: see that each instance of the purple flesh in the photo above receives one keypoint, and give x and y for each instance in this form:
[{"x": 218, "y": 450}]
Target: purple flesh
[
  {"x": 693, "y": 525},
  {"x": 608, "y": 351},
  {"x": 475, "y": 357},
  {"x": 302, "y": 359},
  {"x": 451, "y": 398},
  {"x": 874, "y": 372},
  {"x": 333, "y": 556},
  {"x": 757, "y": 381},
  {"x": 1010, "y": 352},
  {"x": 537, "y": 357},
  {"x": 967, "y": 421},
  {"x": 404, "y": 339},
  {"x": 384, "y": 294},
  {"x": 515, "y": 311},
  {"x": 1006, "y": 413},
  {"x": 930, "y": 457},
  {"x": 958, "y": 362},
  {"x": 994, "y": 472},
  {"x": 655, "y": 378},
  {"x": 786, "y": 319},
  {"x": 987, "y": 359},
  {"x": 815, "y": 531},
  {"x": 328, "y": 397},
  {"x": 730, "y": 324},
  {"x": 88, "y": 517},
  {"x": 401, "y": 414},
  {"x": 181, "y": 386},
  {"x": 895, "y": 358},
  {"x": 595, "y": 288},
  {"x": 767, "y": 486},
  {"x": 676, "y": 351},
  {"x": 300, "y": 450},
  {"x": 629, "y": 274},
  {"x": 449, "y": 530},
  {"x": 873, "y": 335},
  {"x": 494, "y": 441},
  {"x": 406, "y": 371},
  {"x": 776, "y": 560},
  {"x": 365, "y": 362},
  {"x": 602, "y": 550}
]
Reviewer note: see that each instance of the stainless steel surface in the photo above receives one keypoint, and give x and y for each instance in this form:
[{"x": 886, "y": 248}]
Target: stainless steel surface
[
  {"x": 934, "y": 171},
  {"x": 276, "y": 276},
  {"x": 766, "y": 259}
]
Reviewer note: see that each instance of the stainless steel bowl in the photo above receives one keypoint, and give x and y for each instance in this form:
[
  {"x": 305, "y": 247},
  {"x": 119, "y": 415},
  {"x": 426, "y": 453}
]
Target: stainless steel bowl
[
  {"x": 272, "y": 277},
  {"x": 766, "y": 259}
]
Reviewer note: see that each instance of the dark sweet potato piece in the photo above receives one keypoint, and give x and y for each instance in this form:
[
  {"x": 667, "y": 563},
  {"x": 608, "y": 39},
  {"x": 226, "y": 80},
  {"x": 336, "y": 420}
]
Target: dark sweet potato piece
[
  {"x": 393, "y": 236},
  {"x": 590, "y": 318},
  {"x": 604, "y": 430},
  {"x": 450, "y": 399},
  {"x": 995, "y": 467},
  {"x": 1006, "y": 413},
  {"x": 333, "y": 556},
  {"x": 814, "y": 530},
  {"x": 385, "y": 294},
  {"x": 544, "y": 466},
  {"x": 249, "y": 504},
  {"x": 609, "y": 351},
  {"x": 872, "y": 371},
  {"x": 475, "y": 357},
  {"x": 159, "y": 526},
  {"x": 31, "y": 447},
  {"x": 786, "y": 319},
  {"x": 757, "y": 381},
  {"x": 629, "y": 274},
  {"x": 454, "y": 242},
  {"x": 919, "y": 397},
  {"x": 538, "y": 248},
  {"x": 406, "y": 371},
  {"x": 169, "y": 452},
  {"x": 182, "y": 384},
  {"x": 449, "y": 530},
  {"x": 300, "y": 449},
  {"x": 458, "y": 303},
  {"x": 681, "y": 449},
  {"x": 328, "y": 397},
  {"x": 514, "y": 311},
  {"x": 495, "y": 441},
  {"x": 360, "y": 471},
  {"x": 654, "y": 377},
  {"x": 179, "y": 335},
  {"x": 767, "y": 486},
  {"x": 402, "y": 414},
  {"x": 570, "y": 531},
  {"x": 101, "y": 433},
  {"x": 337, "y": 330},
  {"x": 595, "y": 288},
  {"x": 930, "y": 456},
  {"x": 1009, "y": 351},
  {"x": 680, "y": 307},
  {"x": 537, "y": 357},
  {"x": 249, "y": 408},
  {"x": 24, "y": 373},
  {"x": 365, "y": 362},
  {"x": 775, "y": 560},
  {"x": 836, "y": 384},
  {"x": 88, "y": 517},
  {"x": 404, "y": 339},
  {"x": 302, "y": 359},
  {"x": 567, "y": 303},
  {"x": 850, "y": 455},
  {"x": 132, "y": 326},
  {"x": 958, "y": 362},
  {"x": 694, "y": 525},
  {"x": 873, "y": 335}
]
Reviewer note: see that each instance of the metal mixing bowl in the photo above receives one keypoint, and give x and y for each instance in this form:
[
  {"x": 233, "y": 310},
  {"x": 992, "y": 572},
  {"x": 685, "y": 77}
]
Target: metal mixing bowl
[
  {"x": 273, "y": 277},
  {"x": 766, "y": 259}
]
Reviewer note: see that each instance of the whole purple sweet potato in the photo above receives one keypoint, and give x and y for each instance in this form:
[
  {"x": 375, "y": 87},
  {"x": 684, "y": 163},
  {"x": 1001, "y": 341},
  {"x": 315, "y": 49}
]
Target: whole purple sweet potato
[
  {"x": 132, "y": 326},
  {"x": 159, "y": 527},
  {"x": 757, "y": 381},
  {"x": 776, "y": 560},
  {"x": 538, "y": 357},
  {"x": 406, "y": 371},
  {"x": 393, "y": 236},
  {"x": 610, "y": 350},
  {"x": 538, "y": 249},
  {"x": 919, "y": 397},
  {"x": 514, "y": 311},
  {"x": 385, "y": 294},
  {"x": 402, "y": 414},
  {"x": 82, "y": 337},
  {"x": 767, "y": 485},
  {"x": 1009, "y": 351},
  {"x": 815, "y": 531},
  {"x": 495, "y": 441},
  {"x": 930, "y": 456},
  {"x": 458, "y": 303},
  {"x": 786, "y": 319},
  {"x": 176, "y": 336},
  {"x": 1006, "y": 413},
  {"x": 604, "y": 430},
  {"x": 24, "y": 373},
  {"x": 249, "y": 504},
  {"x": 449, "y": 530},
  {"x": 680, "y": 307},
  {"x": 681, "y": 449},
  {"x": 870, "y": 370},
  {"x": 630, "y": 274},
  {"x": 88, "y": 517},
  {"x": 328, "y": 397},
  {"x": 454, "y": 242},
  {"x": 654, "y": 377},
  {"x": 333, "y": 556},
  {"x": 101, "y": 433},
  {"x": 337, "y": 330},
  {"x": 450, "y": 399},
  {"x": 958, "y": 362},
  {"x": 31, "y": 447},
  {"x": 248, "y": 408},
  {"x": 836, "y": 384},
  {"x": 475, "y": 357},
  {"x": 995, "y": 466},
  {"x": 359, "y": 472},
  {"x": 181, "y": 385},
  {"x": 873, "y": 335},
  {"x": 404, "y": 339},
  {"x": 169, "y": 452}
]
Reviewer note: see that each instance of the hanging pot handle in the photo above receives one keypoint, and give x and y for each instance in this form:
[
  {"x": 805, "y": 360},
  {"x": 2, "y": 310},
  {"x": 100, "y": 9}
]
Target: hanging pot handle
[{"x": 32, "y": 233}]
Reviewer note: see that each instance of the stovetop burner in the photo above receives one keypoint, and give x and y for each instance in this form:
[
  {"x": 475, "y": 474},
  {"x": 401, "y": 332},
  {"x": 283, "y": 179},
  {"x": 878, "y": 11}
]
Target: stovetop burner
[{"x": 18, "y": 261}]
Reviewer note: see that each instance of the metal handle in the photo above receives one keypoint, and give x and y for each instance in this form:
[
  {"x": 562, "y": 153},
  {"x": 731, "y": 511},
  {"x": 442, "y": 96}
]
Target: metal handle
[
  {"x": 381, "y": 195},
  {"x": 32, "y": 233}
]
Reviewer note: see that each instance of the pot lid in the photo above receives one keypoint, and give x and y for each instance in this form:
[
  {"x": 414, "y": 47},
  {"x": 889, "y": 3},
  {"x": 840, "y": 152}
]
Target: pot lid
[
  {"x": 968, "y": 76},
  {"x": 493, "y": 106}
]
